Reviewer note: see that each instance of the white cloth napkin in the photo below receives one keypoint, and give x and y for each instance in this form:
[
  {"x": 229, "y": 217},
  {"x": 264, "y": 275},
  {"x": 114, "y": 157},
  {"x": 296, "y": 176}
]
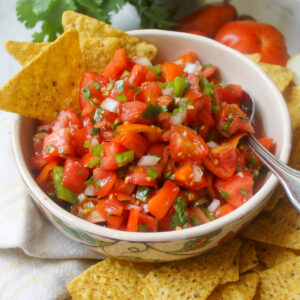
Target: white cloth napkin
[{"x": 36, "y": 260}]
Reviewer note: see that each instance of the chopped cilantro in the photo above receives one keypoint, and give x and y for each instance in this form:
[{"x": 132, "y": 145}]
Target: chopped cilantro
[
  {"x": 224, "y": 195},
  {"x": 137, "y": 89},
  {"x": 181, "y": 108},
  {"x": 97, "y": 151},
  {"x": 86, "y": 94},
  {"x": 153, "y": 174},
  {"x": 115, "y": 124},
  {"x": 243, "y": 192},
  {"x": 94, "y": 131},
  {"x": 89, "y": 181},
  {"x": 181, "y": 216},
  {"x": 241, "y": 117},
  {"x": 97, "y": 85},
  {"x": 228, "y": 122},
  {"x": 98, "y": 184},
  {"x": 152, "y": 111},
  {"x": 125, "y": 73},
  {"x": 142, "y": 193},
  {"x": 252, "y": 162}
]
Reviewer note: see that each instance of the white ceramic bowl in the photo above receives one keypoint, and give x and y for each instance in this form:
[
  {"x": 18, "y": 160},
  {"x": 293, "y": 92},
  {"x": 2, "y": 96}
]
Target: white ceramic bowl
[{"x": 166, "y": 246}]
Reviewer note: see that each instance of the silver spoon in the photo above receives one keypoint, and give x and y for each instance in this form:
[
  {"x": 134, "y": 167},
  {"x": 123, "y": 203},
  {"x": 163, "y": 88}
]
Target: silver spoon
[{"x": 288, "y": 177}]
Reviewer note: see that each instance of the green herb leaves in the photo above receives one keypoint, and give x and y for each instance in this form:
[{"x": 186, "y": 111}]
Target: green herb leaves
[
  {"x": 181, "y": 216},
  {"x": 152, "y": 111}
]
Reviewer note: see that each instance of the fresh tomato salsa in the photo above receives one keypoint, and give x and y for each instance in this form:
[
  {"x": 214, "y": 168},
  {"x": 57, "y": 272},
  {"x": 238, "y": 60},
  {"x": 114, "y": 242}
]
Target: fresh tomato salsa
[{"x": 155, "y": 147}]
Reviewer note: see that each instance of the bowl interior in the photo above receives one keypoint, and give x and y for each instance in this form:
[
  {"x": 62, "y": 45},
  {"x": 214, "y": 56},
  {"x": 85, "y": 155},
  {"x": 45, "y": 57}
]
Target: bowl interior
[{"x": 234, "y": 68}]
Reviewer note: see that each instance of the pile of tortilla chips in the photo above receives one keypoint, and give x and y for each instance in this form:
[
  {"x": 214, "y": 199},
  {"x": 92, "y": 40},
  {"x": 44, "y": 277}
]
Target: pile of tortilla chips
[
  {"x": 264, "y": 263},
  {"x": 49, "y": 80}
]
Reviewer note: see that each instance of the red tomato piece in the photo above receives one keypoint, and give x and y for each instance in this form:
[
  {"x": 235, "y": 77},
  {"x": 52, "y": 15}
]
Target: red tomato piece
[
  {"x": 133, "y": 219},
  {"x": 185, "y": 144},
  {"x": 222, "y": 161},
  {"x": 209, "y": 18},
  {"x": 37, "y": 162},
  {"x": 237, "y": 189},
  {"x": 74, "y": 176},
  {"x": 171, "y": 70},
  {"x": 132, "y": 141},
  {"x": 111, "y": 220},
  {"x": 189, "y": 57},
  {"x": 253, "y": 37},
  {"x": 150, "y": 222},
  {"x": 117, "y": 66},
  {"x": 79, "y": 139},
  {"x": 109, "y": 150},
  {"x": 103, "y": 181},
  {"x": 58, "y": 144},
  {"x": 67, "y": 118},
  {"x": 113, "y": 206},
  {"x": 208, "y": 71},
  {"x": 230, "y": 94},
  {"x": 164, "y": 198},
  {"x": 224, "y": 210},
  {"x": 132, "y": 112},
  {"x": 164, "y": 100},
  {"x": 199, "y": 214},
  {"x": 151, "y": 91},
  {"x": 122, "y": 187},
  {"x": 139, "y": 176},
  {"x": 138, "y": 75}
]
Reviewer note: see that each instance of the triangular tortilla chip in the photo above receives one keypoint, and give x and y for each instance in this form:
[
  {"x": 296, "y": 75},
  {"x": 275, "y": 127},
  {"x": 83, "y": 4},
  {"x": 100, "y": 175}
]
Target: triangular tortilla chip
[
  {"x": 24, "y": 52},
  {"x": 248, "y": 259},
  {"x": 92, "y": 28},
  {"x": 49, "y": 83},
  {"x": 232, "y": 273}
]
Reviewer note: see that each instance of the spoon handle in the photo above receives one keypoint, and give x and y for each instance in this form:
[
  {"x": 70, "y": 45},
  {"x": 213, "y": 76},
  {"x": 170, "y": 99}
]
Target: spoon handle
[{"x": 289, "y": 178}]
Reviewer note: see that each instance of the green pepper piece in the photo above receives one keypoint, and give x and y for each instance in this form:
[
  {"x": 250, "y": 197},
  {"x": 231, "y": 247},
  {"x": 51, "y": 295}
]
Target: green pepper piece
[
  {"x": 62, "y": 192},
  {"x": 179, "y": 86},
  {"x": 124, "y": 158}
]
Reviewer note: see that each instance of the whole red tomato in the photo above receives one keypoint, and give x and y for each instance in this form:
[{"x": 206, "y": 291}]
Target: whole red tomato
[
  {"x": 252, "y": 37},
  {"x": 208, "y": 19}
]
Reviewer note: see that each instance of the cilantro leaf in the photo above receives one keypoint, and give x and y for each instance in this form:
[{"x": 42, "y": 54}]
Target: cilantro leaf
[
  {"x": 181, "y": 216},
  {"x": 152, "y": 111}
]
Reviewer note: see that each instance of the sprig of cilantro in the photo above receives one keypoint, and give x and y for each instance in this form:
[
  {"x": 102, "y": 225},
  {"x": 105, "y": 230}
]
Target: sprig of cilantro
[{"x": 49, "y": 12}]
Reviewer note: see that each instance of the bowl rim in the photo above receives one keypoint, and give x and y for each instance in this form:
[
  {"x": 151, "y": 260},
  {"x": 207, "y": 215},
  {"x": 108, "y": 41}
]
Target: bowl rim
[{"x": 165, "y": 236}]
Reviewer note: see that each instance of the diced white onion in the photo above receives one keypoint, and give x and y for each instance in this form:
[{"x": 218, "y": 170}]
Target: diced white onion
[
  {"x": 142, "y": 60},
  {"x": 167, "y": 91},
  {"x": 130, "y": 206},
  {"x": 212, "y": 144},
  {"x": 89, "y": 190},
  {"x": 178, "y": 62},
  {"x": 148, "y": 160},
  {"x": 178, "y": 118},
  {"x": 214, "y": 205},
  {"x": 95, "y": 217},
  {"x": 198, "y": 173},
  {"x": 81, "y": 197},
  {"x": 193, "y": 68},
  {"x": 110, "y": 104},
  {"x": 240, "y": 174}
]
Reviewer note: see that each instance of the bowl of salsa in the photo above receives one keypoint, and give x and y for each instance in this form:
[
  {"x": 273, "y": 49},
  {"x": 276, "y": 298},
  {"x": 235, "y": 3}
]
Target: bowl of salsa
[{"x": 155, "y": 167}]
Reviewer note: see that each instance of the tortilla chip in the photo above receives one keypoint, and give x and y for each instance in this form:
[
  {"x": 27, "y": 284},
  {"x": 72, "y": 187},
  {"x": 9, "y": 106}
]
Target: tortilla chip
[
  {"x": 279, "y": 227},
  {"x": 247, "y": 259},
  {"x": 271, "y": 255},
  {"x": 232, "y": 273},
  {"x": 49, "y": 83},
  {"x": 244, "y": 289},
  {"x": 191, "y": 278},
  {"x": 88, "y": 27},
  {"x": 110, "y": 279},
  {"x": 281, "y": 282},
  {"x": 292, "y": 96},
  {"x": 24, "y": 52},
  {"x": 275, "y": 197},
  {"x": 281, "y": 76},
  {"x": 98, "y": 52},
  {"x": 255, "y": 57}
]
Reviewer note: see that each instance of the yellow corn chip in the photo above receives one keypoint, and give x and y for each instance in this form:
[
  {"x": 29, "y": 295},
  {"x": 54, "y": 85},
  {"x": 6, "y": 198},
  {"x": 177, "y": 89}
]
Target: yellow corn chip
[
  {"x": 281, "y": 76},
  {"x": 110, "y": 279},
  {"x": 275, "y": 197},
  {"x": 292, "y": 96},
  {"x": 92, "y": 28},
  {"x": 255, "y": 57},
  {"x": 247, "y": 259},
  {"x": 232, "y": 273},
  {"x": 244, "y": 289},
  {"x": 191, "y": 278},
  {"x": 24, "y": 52},
  {"x": 49, "y": 83},
  {"x": 282, "y": 282},
  {"x": 279, "y": 227},
  {"x": 271, "y": 255}
]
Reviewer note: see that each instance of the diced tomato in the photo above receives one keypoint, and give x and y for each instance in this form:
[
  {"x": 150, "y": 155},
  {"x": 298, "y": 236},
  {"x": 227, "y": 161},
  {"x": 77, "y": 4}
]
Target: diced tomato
[
  {"x": 79, "y": 139},
  {"x": 139, "y": 176},
  {"x": 37, "y": 162},
  {"x": 74, "y": 176},
  {"x": 230, "y": 94},
  {"x": 199, "y": 214},
  {"x": 210, "y": 188},
  {"x": 223, "y": 210},
  {"x": 137, "y": 75},
  {"x": 165, "y": 121},
  {"x": 109, "y": 150},
  {"x": 86, "y": 159},
  {"x": 208, "y": 71},
  {"x": 67, "y": 118},
  {"x": 133, "y": 219},
  {"x": 122, "y": 187},
  {"x": 151, "y": 91},
  {"x": 132, "y": 141},
  {"x": 103, "y": 181},
  {"x": 113, "y": 206},
  {"x": 185, "y": 144},
  {"x": 58, "y": 144},
  {"x": 171, "y": 70},
  {"x": 192, "y": 95},
  {"x": 222, "y": 161},
  {"x": 164, "y": 224},
  {"x": 150, "y": 222},
  {"x": 266, "y": 142},
  {"x": 132, "y": 112},
  {"x": 189, "y": 57},
  {"x": 89, "y": 86},
  {"x": 237, "y": 189},
  {"x": 164, "y": 100},
  {"x": 164, "y": 198},
  {"x": 124, "y": 197},
  {"x": 111, "y": 220},
  {"x": 117, "y": 66}
]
